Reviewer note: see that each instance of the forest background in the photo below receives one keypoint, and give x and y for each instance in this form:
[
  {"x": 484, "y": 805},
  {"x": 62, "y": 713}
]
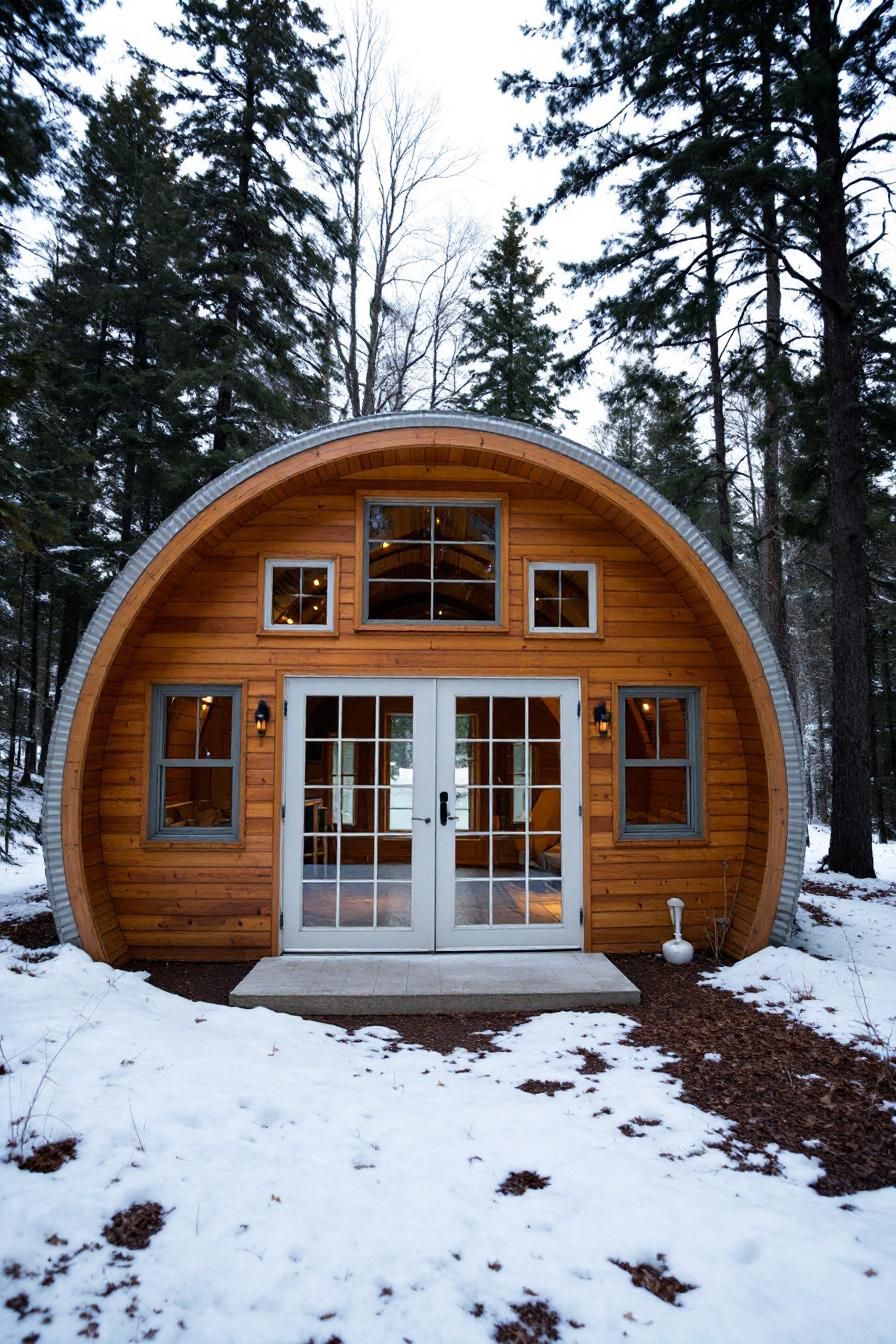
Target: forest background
[{"x": 254, "y": 219}]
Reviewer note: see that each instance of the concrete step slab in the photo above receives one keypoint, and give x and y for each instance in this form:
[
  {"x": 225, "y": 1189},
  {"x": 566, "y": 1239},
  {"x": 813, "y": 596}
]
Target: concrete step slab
[{"x": 364, "y": 985}]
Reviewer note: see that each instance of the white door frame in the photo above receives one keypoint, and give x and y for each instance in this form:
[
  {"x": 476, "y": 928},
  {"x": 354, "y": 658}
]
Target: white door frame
[
  {"x": 505, "y": 938},
  {"x": 433, "y": 852},
  {"x": 419, "y": 937}
]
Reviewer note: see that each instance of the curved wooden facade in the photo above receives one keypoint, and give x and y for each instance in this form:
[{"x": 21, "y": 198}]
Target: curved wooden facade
[{"x": 186, "y": 611}]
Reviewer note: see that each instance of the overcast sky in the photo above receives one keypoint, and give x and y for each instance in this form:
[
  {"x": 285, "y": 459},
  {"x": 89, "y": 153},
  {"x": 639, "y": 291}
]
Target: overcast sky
[{"x": 455, "y": 53}]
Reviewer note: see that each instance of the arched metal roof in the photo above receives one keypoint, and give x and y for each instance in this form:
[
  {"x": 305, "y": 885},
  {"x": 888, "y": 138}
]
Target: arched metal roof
[{"x": 347, "y": 429}]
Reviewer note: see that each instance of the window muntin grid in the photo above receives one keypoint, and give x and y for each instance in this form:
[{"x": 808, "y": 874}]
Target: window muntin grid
[
  {"x": 432, "y": 563},
  {"x": 508, "y": 867},
  {"x": 298, "y": 594},
  {"x": 660, "y": 778},
  {"x": 562, "y": 598},
  {"x": 357, "y": 837},
  {"x": 194, "y": 760}
]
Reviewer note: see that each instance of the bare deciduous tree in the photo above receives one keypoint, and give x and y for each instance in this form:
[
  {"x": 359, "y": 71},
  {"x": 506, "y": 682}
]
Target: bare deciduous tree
[{"x": 392, "y": 306}]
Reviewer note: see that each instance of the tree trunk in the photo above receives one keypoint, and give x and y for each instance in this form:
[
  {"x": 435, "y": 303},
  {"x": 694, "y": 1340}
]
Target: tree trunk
[
  {"x": 13, "y": 717},
  {"x": 46, "y": 714},
  {"x": 773, "y": 594},
  {"x": 850, "y": 850},
  {"x": 30, "y": 759},
  {"x": 720, "y": 453}
]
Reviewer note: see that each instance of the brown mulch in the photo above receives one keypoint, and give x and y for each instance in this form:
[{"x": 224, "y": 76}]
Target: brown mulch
[
  {"x": 201, "y": 981},
  {"x": 762, "y": 1081},
  {"x": 536, "y": 1323},
  {"x": 656, "y": 1279},
  {"x": 518, "y": 1182},
  {"x": 48, "y": 1156},
  {"x": 844, "y": 891},
  {"x": 543, "y": 1087},
  {"x": 135, "y": 1226},
  {"x": 38, "y": 931},
  {"x": 818, "y": 915}
]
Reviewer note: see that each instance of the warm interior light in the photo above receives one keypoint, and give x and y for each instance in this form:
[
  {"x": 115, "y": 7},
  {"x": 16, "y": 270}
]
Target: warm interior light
[
  {"x": 646, "y": 706},
  {"x": 602, "y": 719},
  {"x": 315, "y": 583},
  {"x": 386, "y": 545},
  {"x": 290, "y": 621}
]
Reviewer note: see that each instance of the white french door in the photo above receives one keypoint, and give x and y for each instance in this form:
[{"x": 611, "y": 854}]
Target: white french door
[{"x": 422, "y": 814}]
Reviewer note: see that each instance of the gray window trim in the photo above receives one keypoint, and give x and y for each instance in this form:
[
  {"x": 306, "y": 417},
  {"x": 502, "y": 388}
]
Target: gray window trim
[
  {"x": 184, "y": 834},
  {"x": 429, "y": 502},
  {"x": 692, "y": 762}
]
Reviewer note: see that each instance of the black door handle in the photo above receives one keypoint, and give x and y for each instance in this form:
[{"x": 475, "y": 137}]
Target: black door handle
[
  {"x": 444, "y": 816},
  {"x": 426, "y": 819}
]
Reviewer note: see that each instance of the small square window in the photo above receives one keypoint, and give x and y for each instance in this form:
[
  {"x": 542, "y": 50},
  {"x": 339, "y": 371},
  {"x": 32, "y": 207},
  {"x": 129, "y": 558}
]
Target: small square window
[
  {"x": 298, "y": 595},
  {"x": 562, "y": 599}
]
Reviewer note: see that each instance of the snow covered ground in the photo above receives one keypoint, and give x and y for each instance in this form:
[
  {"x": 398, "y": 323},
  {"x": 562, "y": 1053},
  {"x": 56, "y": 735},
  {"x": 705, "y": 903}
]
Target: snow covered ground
[
  {"x": 319, "y": 1187},
  {"x": 23, "y": 886},
  {"x": 839, "y": 978}
]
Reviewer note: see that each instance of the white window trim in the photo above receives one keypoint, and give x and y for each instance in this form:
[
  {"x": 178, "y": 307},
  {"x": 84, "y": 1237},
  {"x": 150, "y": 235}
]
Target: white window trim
[
  {"x": 298, "y": 562},
  {"x": 590, "y": 568}
]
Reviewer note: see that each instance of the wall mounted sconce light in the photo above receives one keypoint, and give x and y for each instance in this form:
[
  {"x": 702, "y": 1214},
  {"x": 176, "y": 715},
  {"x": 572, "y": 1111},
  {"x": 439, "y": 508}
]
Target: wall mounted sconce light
[
  {"x": 602, "y": 719},
  {"x": 262, "y": 718}
]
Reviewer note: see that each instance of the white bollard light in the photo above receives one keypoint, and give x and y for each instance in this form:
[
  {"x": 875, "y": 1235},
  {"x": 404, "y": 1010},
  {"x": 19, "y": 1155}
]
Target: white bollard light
[{"x": 677, "y": 951}]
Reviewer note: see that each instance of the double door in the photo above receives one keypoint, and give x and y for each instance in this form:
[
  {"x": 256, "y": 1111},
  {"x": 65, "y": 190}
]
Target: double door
[{"x": 423, "y": 814}]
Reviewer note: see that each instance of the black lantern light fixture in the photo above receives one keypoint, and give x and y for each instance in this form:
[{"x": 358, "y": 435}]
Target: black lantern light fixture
[
  {"x": 602, "y": 719},
  {"x": 262, "y": 718}
]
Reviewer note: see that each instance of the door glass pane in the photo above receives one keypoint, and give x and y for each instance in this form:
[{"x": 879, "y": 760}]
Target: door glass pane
[
  {"x": 544, "y": 811},
  {"x": 545, "y": 904},
  {"x": 674, "y": 728},
  {"x": 509, "y": 764},
  {"x": 545, "y": 763},
  {"x": 471, "y": 855},
  {"x": 509, "y": 716},
  {"x": 544, "y": 717},
  {"x": 473, "y": 716},
  {"x": 322, "y": 716},
  {"x": 318, "y": 905},
  {"x": 393, "y": 905},
  {"x": 508, "y": 901},
  {"x": 356, "y": 857},
  {"x": 359, "y": 716},
  {"x": 544, "y": 853},
  {"x": 656, "y": 796},
  {"x": 471, "y": 902},
  {"x": 356, "y": 905}
]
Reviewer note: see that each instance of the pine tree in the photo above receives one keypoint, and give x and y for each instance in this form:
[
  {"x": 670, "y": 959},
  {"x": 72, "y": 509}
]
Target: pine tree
[
  {"x": 103, "y": 437},
  {"x": 516, "y": 370},
  {"x": 651, "y": 429},
  {"x": 761, "y": 107},
  {"x": 251, "y": 117}
]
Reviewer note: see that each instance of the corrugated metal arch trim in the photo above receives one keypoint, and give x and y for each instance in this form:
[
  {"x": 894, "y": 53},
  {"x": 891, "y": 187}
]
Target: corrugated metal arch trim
[{"x": 102, "y": 618}]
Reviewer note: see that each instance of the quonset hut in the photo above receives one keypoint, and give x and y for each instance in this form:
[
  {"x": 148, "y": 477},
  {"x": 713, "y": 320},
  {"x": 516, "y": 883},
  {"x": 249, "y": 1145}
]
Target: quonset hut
[{"x": 422, "y": 682}]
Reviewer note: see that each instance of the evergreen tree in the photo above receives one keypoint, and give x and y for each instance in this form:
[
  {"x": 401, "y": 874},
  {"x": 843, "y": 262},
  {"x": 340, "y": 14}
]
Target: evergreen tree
[
  {"x": 651, "y": 429},
  {"x": 103, "y": 436},
  {"x": 41, "y": 42},
  {"x": 516, "y": 370},
  {"x": 734, "y": 111},
  {"x": 251, "y": 117}
]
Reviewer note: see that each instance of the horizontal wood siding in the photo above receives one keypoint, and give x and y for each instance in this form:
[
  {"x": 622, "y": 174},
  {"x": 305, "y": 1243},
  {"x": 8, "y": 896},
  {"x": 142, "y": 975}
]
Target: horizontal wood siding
[{"x": 218, "y": 901}]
